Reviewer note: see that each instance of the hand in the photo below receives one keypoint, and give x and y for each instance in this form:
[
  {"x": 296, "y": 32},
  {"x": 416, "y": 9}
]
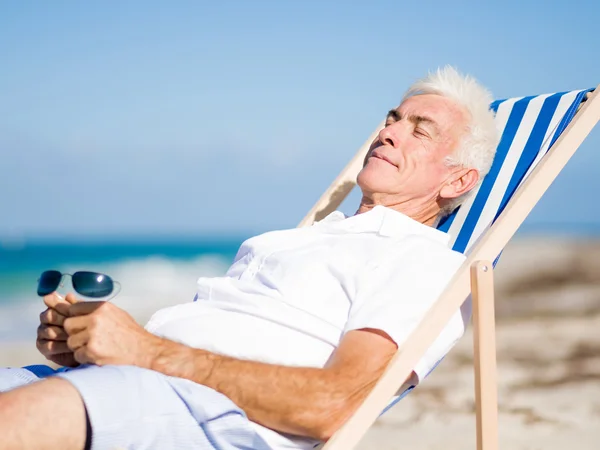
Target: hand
[
  {"x": 51, "y": 336},
  {"x": 101, "y": 333}
]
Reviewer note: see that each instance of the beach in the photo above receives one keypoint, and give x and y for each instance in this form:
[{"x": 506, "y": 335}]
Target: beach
[{"x": 548, "y": 337}]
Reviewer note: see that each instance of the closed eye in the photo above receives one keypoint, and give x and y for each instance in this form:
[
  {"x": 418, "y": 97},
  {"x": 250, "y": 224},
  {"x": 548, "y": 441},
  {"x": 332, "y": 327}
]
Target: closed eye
[{"x": 422, "y": 133}]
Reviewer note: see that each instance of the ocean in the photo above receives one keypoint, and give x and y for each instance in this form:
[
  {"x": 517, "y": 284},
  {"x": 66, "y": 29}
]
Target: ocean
[{"x": 153, "y": 274}]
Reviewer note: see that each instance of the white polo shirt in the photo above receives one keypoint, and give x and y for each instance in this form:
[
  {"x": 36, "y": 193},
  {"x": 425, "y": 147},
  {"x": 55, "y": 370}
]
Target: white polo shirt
[{"x": 290, "y": 295}]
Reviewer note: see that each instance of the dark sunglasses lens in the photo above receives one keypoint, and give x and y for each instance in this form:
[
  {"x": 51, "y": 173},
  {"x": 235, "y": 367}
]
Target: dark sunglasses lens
[
  {"x": 92, "y": 284},
  {"x": 49, "y": 282}
]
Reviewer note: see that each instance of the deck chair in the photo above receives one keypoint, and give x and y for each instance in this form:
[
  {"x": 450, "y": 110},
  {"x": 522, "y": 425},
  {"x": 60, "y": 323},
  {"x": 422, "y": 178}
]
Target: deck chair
[{"x": 539, "y": 135}]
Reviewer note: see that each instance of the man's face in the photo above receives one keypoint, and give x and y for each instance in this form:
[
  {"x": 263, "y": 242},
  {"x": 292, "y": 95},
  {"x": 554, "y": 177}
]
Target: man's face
[{"x": 407, "y": 160}]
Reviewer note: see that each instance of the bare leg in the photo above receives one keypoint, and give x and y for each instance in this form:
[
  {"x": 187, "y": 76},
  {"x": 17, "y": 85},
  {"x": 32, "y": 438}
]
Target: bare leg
[{"x": 45, "y": 415}]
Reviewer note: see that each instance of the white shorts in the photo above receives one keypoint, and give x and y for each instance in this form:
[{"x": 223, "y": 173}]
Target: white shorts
[{"x": 135, "y": 408}]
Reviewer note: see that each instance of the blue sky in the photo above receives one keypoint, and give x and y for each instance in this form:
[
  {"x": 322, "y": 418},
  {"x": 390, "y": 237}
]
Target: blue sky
[{"x": 194, "y": 118}]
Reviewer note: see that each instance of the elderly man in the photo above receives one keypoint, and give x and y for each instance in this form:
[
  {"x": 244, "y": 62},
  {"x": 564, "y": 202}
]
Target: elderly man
[{"x": 280, "y": 351}]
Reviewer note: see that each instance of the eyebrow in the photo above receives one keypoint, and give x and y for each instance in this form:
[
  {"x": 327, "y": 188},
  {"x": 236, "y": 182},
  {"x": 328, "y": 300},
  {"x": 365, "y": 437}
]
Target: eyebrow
[
  {"x": 414, "y": 118},
  {"x": 393, "y": 114}
]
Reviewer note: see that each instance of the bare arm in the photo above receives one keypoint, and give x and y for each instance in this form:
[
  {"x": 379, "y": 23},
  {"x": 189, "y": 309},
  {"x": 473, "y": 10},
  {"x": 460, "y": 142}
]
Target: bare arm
[
  {"x": 296, "y": 400},
  {"x": 302, "y": 401}
]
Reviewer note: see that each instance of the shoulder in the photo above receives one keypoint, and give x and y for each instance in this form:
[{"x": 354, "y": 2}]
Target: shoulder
[
  {"x": 409, "y": 263},
  {"x": 415, "y": 249}
]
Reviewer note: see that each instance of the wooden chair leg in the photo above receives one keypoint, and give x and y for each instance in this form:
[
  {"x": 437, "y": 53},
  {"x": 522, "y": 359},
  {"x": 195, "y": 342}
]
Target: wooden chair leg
[{"x": 484, "y": 340}]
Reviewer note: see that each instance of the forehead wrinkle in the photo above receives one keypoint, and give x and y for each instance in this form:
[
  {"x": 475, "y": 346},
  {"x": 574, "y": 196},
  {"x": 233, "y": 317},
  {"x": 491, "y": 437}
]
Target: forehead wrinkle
[{"x": 419, "y": 108}]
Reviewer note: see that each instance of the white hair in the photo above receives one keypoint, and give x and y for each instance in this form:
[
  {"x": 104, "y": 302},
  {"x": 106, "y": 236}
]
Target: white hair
[{"x": 478, "y": 146}]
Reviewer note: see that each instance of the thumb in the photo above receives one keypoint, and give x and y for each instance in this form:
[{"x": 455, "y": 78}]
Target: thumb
[
  {"x": 72, "y": 299},
  {"x": 83, "y": 308},
  {"x": 56, "y": 302}
]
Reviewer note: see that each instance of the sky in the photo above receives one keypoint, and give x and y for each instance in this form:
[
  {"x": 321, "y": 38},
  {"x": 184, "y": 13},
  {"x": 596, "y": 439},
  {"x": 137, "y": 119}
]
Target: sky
[{"x": 195, "y": 118}]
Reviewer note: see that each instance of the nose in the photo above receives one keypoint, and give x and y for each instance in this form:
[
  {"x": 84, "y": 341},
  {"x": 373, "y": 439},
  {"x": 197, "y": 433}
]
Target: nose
[{"x": 387, "y": 136}]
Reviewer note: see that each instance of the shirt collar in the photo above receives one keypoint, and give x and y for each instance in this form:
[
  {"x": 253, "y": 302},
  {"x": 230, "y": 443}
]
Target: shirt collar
[{"x": 384, "y": 221}]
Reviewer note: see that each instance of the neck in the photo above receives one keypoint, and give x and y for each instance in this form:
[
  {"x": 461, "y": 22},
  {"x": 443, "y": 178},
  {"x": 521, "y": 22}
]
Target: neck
[{"x": 425, "y": 213}]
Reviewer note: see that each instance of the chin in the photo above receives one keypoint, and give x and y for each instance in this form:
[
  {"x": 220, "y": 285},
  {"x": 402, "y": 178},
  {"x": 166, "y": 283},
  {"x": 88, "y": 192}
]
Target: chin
[{"x": 372, "y": 181}]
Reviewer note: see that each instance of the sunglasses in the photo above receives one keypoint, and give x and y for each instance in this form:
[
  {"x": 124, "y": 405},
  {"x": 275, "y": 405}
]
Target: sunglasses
[{"x": 88, "y": 284}]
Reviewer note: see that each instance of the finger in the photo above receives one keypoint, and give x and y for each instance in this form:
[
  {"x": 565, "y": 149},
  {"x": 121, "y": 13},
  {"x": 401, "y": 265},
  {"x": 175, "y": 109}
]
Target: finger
[
  {"x": 51, "y": 300},
  {"x": 71, "y": 299},
  {"x": 84, "y": 308},
  {"x": 78, "y": 340},
  {"x": 52, "y": 317},
  {"x": 52, "y": 333},
  {"x": 74, "y": 325},
  {"x": 49, "y": 348},
  {"x": 54, "y": 301},
  {"x": 64, "y": 359},
  {"x": 82, "y": 356}
]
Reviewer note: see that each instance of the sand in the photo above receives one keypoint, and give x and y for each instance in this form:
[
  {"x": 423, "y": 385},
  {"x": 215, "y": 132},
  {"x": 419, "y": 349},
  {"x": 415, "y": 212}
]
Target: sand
[
  {"x": 549, "y": 392},
  {"x": 548, "y": 336}
]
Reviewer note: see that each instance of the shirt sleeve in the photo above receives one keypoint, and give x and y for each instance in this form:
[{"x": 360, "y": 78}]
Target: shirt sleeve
[{"x": 394, "y": 294}]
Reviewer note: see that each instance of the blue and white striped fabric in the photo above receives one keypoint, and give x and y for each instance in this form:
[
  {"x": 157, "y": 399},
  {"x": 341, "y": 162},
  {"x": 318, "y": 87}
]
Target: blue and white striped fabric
[{"x": 529, "y": 127}]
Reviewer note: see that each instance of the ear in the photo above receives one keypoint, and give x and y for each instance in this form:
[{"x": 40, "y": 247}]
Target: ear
[{"x": 459, "y": 183}]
